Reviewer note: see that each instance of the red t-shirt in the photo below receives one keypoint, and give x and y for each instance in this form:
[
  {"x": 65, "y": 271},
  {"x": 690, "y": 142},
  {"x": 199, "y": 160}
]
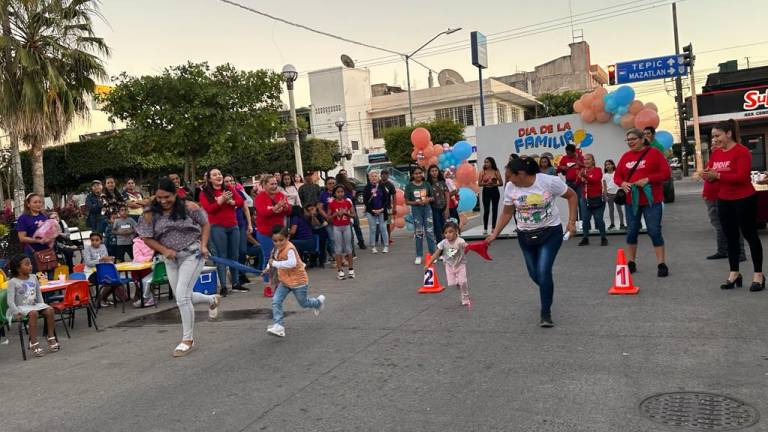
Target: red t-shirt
[
  {"x": 221, "y": 214},
  {"x": 570, "y": 167},
  {"x": 181, "y": 193},
  {"x": 734, "y": 167},
  {"x": 266, "y": 218},
  {"x": 334, "y": 205},
  {"x": 593, "y": 187},
  {"x": 654, "y": 166}
]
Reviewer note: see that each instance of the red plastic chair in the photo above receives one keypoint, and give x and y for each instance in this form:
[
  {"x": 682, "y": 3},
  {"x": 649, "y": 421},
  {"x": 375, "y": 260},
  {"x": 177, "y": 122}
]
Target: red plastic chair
[
  {"x": 78, "y": 268},
  {"x": 76, "y": 296}
]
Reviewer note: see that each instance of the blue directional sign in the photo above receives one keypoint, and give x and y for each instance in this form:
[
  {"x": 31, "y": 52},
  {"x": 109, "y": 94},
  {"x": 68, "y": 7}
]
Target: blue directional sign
[{"x": 650, "y": 69}]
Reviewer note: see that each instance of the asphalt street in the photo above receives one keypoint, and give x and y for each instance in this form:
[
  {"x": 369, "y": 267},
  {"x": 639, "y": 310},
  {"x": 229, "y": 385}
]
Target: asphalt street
[{"x": 381, "y": 357}]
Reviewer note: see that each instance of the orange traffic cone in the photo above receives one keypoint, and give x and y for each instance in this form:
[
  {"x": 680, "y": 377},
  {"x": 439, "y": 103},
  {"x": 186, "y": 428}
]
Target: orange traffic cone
[
  {"x": 623, "y": 278},
  {"x": 431, "y": 280}
]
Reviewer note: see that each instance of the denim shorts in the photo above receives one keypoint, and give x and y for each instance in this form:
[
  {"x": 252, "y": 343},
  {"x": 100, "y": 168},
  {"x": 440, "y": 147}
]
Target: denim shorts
[{"x": 652, "y": 214}]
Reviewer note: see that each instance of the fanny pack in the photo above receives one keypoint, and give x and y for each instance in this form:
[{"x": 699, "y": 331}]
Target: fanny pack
[
  {"x": 595, "y": 202},
  {"x": 536, "y": 237}
]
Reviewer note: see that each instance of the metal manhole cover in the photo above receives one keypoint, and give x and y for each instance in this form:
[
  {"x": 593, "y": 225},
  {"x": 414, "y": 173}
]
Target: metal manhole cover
[{"x": 699, "y": 411}]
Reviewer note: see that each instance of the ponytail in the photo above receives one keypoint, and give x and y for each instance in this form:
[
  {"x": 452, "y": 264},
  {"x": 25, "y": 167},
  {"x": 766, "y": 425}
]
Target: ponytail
[
  {"x": 527, "y": 165},
  {"x": 731, "y": 126}
]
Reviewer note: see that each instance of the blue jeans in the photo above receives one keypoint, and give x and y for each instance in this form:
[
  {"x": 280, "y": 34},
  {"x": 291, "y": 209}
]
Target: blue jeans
[
  {"x": 422, "y": 223},
  {"x": 225, "y": 243},
  {"x": 304, "y": 246},
  {"x": 589, "y": 213},
  {"x": 438, "y": 219},
  {"x": 243, "y": 243},
  {"x": 301, "y": 297},
  {"x": 266, "y": 251},
  {"x": 375, "y": 221},
  {"x": 652, "y": 214},
  {"x": 539, "y": 261}
]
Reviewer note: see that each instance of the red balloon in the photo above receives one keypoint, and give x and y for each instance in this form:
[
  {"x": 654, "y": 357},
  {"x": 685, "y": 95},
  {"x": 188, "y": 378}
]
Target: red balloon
[
  {"x": 465, "y": 175},
  {"x": 420, "y": 138},
  {"x": 588, "y": 116},
  {"x": 603, "y": 117},
  {"x": 646, "y": 118}
]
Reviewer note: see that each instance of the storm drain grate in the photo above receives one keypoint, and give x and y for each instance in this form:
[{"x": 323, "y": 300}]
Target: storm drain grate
[{"x": 699, "y": 411}]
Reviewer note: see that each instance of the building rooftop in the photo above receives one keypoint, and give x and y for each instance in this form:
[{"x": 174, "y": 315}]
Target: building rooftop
[{"x": 736, "y": 79}]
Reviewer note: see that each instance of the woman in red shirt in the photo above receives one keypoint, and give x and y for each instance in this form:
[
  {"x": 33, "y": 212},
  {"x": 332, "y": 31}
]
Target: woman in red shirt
[
  {"x": 593, "y": 204},
  {"x": 730, "y": 166},
  {"x": 644, "y": 187},
  {"x": 220, "y": 202},
  {"x": 271, "y": 208}
]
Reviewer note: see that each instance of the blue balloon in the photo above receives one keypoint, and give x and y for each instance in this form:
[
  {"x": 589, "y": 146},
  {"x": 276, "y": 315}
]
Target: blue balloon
[
  {"x": 410, "y": 227},
  {"x": 409, "y": 218},
  {"x": 624, "y": 95},
  {"x": 461, "y": 151},
  {"x": 467, "y": 200},
  {"x": 617, "y": 118},
  {"x": 611, "y": 106},
  {"x": 441, "y": 158},
  {"x": 665, "y": 139},
  {"x": 608, "y": 97},
  {"x": 587, "y": 141},
  {"x": 622, "y": 109}
]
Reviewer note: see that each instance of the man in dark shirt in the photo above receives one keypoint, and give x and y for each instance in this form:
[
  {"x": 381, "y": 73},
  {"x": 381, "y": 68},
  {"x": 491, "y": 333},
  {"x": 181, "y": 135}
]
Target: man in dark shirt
[
  {"x": 392, "y": 191},
  {"x": 309, "y": 192}
]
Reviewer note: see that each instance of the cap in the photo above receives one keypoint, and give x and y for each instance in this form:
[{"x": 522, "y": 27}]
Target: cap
[{"x": 96, "y": 181}]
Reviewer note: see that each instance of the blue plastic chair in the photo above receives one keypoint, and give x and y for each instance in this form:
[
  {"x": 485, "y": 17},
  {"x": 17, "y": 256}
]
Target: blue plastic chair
[{"x": 107, "y": 275}]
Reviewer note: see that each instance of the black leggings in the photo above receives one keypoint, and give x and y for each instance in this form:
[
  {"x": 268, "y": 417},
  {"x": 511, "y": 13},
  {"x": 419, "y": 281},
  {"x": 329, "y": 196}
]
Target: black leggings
[
  {"x": 740, "y": 215},
  {"x": 491, "y": 198}
]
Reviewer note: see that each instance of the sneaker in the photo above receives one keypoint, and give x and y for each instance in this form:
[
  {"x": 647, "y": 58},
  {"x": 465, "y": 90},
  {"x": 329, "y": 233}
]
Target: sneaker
[
  {"x": 584, "y": 242},
  {"x": 718, "y": 256},
  {"x": 663, "y": 270},
  {"x": 267, "y": 291},
  {"x": 632, "y": 266},
  {"x": 417, "y": 261},
  {"x": 622, "y": 227},
  {"x": 244, "y": 279},
  {"x": 240, "y": 289},
  {"x": 603, "y": 242},
  {"x": 546, "y": 321},
  {"x": 276, "y": 330},
  {"x": 351, "y": 273},
  {"x": 321, "y": 299},
  {"x": 341, "y": 275},
  {"x": 611, "y": 227},
  {"x": 224, "y": 291},
  {"x": 385, "y": 250},
  {"x": 361, "y": 246},
  {"x": 137, "y": 303},
  {"x": 485, "y": 232},
  {"x": 149, "y": 302},
  {"x": 374, "y": 250},
  {"x": 465, "y": 300},
  {"x": 213, "y": 310}
]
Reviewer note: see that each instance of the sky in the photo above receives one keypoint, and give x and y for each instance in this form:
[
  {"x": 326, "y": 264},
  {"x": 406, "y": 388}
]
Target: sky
[{"x": 148, "y": 35}]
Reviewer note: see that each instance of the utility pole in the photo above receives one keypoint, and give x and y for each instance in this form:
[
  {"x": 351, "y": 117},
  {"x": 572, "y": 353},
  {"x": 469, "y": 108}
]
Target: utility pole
[
  {"x": 690, "y": 59},
  {"x": 680, "y": 101}
]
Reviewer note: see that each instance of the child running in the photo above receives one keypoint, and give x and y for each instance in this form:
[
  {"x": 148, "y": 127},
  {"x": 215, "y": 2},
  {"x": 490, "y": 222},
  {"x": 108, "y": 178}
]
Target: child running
[
  {"x": 341, "y": 212},
  {"x": 454, "y": 248},
  {"x": 293, "y": 278},
  {"x": 25, "y": 299}
]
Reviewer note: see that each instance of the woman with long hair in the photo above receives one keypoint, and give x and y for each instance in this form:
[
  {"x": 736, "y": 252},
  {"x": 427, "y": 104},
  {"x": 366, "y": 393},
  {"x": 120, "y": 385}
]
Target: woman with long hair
[
  {"x": 529, "y": 197},
  {"x": 418, "y": 195},
  {"x": 730, "y": 165},
  {"x": 271, "y": 207},
  {"x": 27, "y": 225},
  {"x": 641, "y": 173},
  {"x": 220, "y": 201},
  {"x": 179, "y": 230},
  {"x": 439, "y": 204},
  {"x": 377, "y": 202},
  {"x": 490, "y": 180},
  {"x": 289, "y": 189},
  {"x": 111, "y": 198},
  {"x": 545, "y": 166},
  {"x": 593, "y": 203}
]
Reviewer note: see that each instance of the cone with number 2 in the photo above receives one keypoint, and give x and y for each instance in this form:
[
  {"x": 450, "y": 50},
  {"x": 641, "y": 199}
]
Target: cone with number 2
[
  {"x": 622, "y": 277},
  {"x": 431, "y": 283}
]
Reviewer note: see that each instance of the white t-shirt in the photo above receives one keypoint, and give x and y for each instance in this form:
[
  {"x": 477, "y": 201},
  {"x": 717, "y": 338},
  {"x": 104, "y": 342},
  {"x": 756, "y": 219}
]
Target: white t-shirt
[
  {"x": 535, "y": 205},
  {"x": 610, "y": 187}
]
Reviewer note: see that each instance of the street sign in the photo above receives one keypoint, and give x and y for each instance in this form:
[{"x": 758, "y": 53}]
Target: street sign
[{"x": 650, "y": 69}]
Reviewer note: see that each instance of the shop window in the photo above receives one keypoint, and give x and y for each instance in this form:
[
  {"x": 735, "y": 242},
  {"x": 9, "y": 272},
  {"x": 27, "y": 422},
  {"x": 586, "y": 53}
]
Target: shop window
[{"x": 756, "y": 145}]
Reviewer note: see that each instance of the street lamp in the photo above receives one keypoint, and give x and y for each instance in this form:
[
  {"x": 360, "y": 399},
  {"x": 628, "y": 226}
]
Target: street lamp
[
  {"x": 340, "y": 124},
  {"x": 408, "y": 68},
  {"x": 290, "y": 75}
]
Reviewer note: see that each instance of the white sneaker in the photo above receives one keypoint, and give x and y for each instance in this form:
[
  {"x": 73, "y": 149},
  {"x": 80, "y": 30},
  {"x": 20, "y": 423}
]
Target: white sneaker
[
  {"x": 351, "y": 274},
  {"x": 374, "y": 251},
  {"x": 485, "y": 232},
  {"x": 276, "y": 330},
  {"x": 213, "y": 310},
  {"x": 386, "y": 249},
  {"x": 417, "y": 261},
  {"x": 321, "y": 299},
  {"x": 341, "y": 275}
]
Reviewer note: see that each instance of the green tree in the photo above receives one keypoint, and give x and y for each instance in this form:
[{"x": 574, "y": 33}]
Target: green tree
[
  {"x": 556, "y": 104},
  {"x": 193, "y": 112},
  {"x": 397, "y": 140}
]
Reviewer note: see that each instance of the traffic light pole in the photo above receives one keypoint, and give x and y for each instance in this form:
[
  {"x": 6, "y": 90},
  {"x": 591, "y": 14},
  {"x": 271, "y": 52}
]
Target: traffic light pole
[{"x": 680, "y": 101}]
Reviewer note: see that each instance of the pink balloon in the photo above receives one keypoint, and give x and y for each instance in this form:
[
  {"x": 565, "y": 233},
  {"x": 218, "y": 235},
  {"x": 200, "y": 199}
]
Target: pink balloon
[
  {"x": 652, "y": 106},
  {"x": 627, "y": 120},
  {"x": 465, "y": 175},
  {"x": 598, "y": 105},
  {"x": 600, "y": 92},
  {"x": 578, "y": 106},
  {"x": 635, "y": 107},
  {"x": 401, "y": 211},
  {"x": 420, "y": 138},
  {"x": 588, "y": 116},
  {"x": 603, "y": 117},
  {"x": 587, "y": 100},
  {"x": 645, "y": 118},
  {"x": 400, "y": 197}
]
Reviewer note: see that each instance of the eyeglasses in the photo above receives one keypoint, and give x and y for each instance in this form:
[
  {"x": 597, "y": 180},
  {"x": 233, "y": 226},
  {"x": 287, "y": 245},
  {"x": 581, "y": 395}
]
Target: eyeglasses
[{"x": 630, "y": 139}]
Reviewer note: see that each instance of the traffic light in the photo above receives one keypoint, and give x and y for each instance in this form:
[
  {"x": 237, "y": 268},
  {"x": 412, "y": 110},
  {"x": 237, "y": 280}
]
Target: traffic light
[
  {"x": 611, "y": 74},
  {"x": 688, "y": 56},
  {"x": 684, "y": 112}
]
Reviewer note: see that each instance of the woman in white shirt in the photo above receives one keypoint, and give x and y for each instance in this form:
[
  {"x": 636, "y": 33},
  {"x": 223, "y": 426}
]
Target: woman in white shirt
[
  {"x": 609, "y": 189},
  {"x": 529, "y": 197},
  {"x": 289, "y": 189}
]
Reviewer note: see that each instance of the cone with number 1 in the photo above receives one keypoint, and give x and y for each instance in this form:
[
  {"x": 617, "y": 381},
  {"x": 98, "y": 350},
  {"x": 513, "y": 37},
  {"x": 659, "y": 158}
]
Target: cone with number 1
[
  {"x": 622, "y": 277},
  {"x": 431, "y": 283}
]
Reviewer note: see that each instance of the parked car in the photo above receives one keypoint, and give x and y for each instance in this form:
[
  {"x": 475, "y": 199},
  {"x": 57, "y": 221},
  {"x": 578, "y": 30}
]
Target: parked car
[{"x": 359, "y": 188}]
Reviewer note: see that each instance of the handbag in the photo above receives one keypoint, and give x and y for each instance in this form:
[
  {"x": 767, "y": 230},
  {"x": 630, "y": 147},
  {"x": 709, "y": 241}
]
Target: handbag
[
  {"x": 46, "y": 260},
  {"x": 621, "y": 196}
]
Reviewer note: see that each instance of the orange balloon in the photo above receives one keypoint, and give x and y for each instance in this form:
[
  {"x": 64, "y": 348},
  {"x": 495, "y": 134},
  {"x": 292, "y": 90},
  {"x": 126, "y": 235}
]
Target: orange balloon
[
  {"x": 600, "y": 92},
  {"x": 475, "y": 187},
  {"x": 400, "y": 197},
  {"x": 400, "y": 223},
  {"x": 432, "y": 161},
  {"x": 598, "y": 105},
  {"x": 627, "y": 120},
  {"x": 420, "y": 138},
  {"x": 588, "y": 116},
  {"x": 401, "y": 210},
  {"x": 635, "y": 107},
  {"x": 437, "y": 150},
  {"x": 415, "y": 154},
  {"x": 587, "y": 100},
  {"x": 465, "y": 174},
  {"x": 578, "y": 106},
  {"x": 603, "y": 117},
  {"x": 652, "y": 106},
  {"x": 645, "y": 118}
]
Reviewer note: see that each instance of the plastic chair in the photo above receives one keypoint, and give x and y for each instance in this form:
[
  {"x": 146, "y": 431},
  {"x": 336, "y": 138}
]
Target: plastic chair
[
  {"x": 22, "y": 323},
  {"x": 77, "y": 276},
  {"x": 160, "y": 278},
  {"x": 78, "y": 268},
  {"x": 76, "y": 296},
  {"x": 107, "y": 275}
]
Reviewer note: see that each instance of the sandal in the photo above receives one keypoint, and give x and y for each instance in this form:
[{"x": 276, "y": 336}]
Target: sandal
[
  {"x": 36, "y": 350},
  {"x": 53, "y": 344},
  {"x": 183, "y": 349}
]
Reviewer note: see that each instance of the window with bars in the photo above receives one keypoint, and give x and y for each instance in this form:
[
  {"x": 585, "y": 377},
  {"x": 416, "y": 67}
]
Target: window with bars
[
  {"x": 463, "y": 114},
  {"x": 515, "y": 114},
  {"x": 380, "y": 124},
  {"x": 501, "y": 113}
]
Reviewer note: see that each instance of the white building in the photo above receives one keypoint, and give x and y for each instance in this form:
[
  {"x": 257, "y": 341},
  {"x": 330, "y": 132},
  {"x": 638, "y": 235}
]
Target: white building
[{"x": 346, "y": 93}]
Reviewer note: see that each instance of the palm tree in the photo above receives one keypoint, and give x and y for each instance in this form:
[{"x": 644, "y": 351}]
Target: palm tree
[{"x": 50, "y": 58}]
